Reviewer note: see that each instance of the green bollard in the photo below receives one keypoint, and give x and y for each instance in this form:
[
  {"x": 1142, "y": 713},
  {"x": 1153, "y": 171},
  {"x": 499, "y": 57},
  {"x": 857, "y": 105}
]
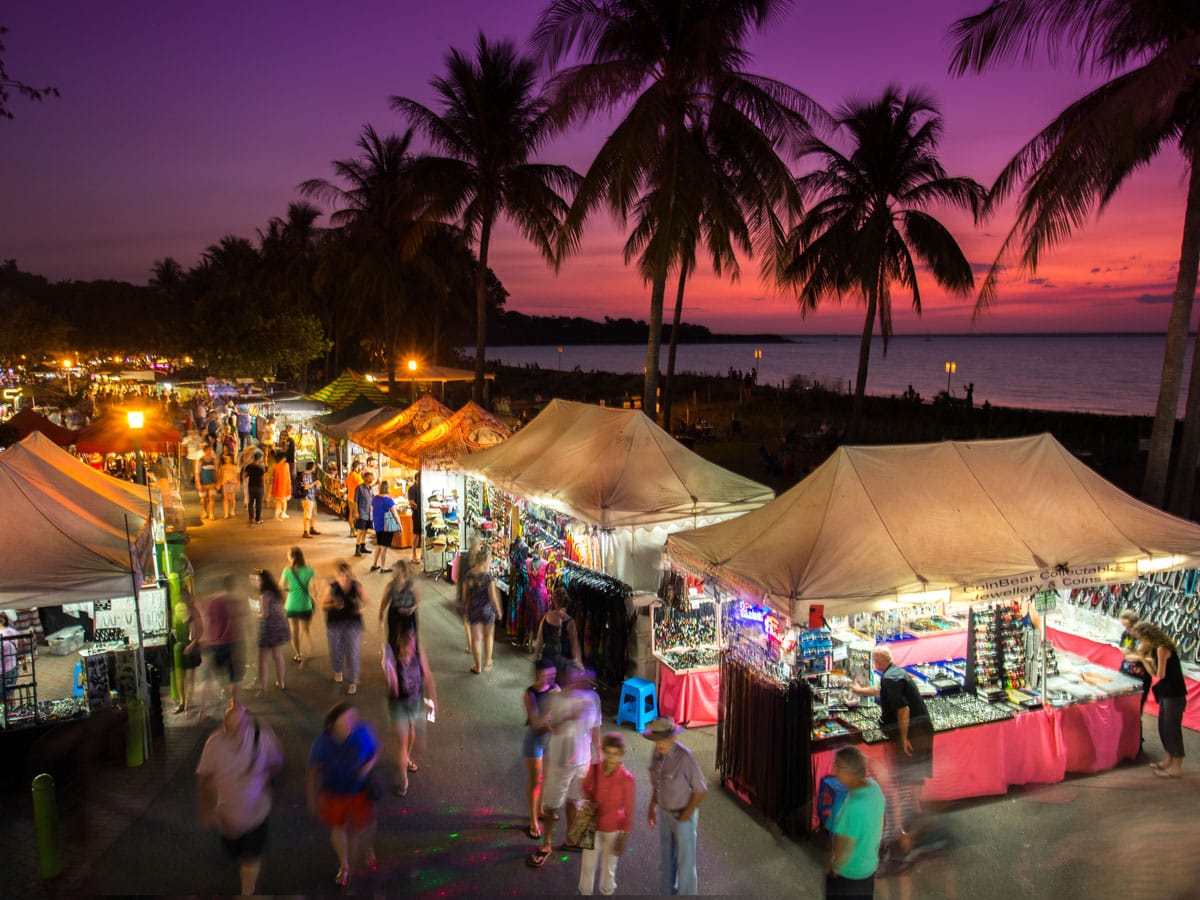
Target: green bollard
[
  {"x": 45, "y": 822},
  {"x": 135, "y": 741}
]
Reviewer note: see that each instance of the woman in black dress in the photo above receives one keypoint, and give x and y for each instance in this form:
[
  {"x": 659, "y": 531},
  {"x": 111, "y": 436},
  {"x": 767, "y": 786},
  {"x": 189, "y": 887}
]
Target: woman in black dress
[{"x": 1161, "y": 659}]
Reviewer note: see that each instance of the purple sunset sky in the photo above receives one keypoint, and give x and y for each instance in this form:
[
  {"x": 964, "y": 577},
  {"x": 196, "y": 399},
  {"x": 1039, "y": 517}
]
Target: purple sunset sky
[{"x": 181, "y": 123}]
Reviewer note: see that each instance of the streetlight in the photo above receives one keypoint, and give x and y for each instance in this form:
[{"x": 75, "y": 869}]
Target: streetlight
[
  {"x": 412, "y": 378},
  {"x": 66, "y": 364},
  {"x": 137, "y": 421},
  {"x": 560, "y": 358},
  {"x": 951, "y": 368}
]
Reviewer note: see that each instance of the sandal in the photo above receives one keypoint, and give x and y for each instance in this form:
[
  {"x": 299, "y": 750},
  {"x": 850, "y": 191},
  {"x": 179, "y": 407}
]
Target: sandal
[
  {"x": 1163, "y": 773},
  {"x": 1156, "y": 766},
  {"x": 474, "y": 671},
  {"x": 537, "y": 859},
  {"x": 549, "y": 816},
  {"x": 400, "y": 790},
  {"x": 534, "y": 833},
  {"x": 412, "y": 766},
  {"x": 342, "y": 878}
]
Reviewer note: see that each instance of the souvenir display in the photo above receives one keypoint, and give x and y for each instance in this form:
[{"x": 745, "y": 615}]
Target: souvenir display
[
  {"x": 685, "y": 635},
  {"x": 1171, "y": 600}
]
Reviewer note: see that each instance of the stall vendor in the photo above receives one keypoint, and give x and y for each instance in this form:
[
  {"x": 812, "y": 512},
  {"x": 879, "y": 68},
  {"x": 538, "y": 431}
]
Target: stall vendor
[{"x": 905, "y": 722}]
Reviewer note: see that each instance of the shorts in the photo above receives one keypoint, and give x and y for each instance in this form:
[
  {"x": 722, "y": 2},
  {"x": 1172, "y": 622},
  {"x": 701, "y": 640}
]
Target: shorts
[
  {"x": 191, "y": 660},
  {"x": 306, "y": 615},
  {"x": 362, "y": 524},
  {"x": 308, "y": 507},
  {"x": 562, "y": 783},
  {"x": 223, "y": 660},
  {"x": 407, "y": 711},
  {"x": 229, "y": 489},
  {"x": 207, "y": 491},
  {"x": 383, "y": 538},
  {"x": 534, "y": 745},
  {"x": 355, "y": 810},
  {"x": 249, "y": 846}
]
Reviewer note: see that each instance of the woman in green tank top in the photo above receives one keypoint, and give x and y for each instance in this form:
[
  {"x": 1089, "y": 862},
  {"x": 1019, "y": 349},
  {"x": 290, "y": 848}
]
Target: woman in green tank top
[{"x": 297, "y": 581}]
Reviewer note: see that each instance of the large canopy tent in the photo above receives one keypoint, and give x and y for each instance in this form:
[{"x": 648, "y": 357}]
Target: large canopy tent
[
  {"x": 361, "y": 421},
  {"x": 615, "y": 469},
  {"x": 346, "y": 389},
  {"x": 402, "y": 425},
  {"x": 71, "y": 544},
  {"x": 37, "y": 459},
  {"x": 27, "y": 422},
  {"x": 111, "y": 433},
  {"x": 971, "y": 520},
  {"x": 469, "y": 430}
]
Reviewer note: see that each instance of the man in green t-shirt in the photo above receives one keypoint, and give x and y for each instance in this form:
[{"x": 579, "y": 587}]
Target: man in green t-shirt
[{"x": 857, "y": 829}]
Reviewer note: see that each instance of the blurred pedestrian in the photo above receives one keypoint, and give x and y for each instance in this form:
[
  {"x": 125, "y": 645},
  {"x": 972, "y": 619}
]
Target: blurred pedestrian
[
  {"x": 224, "y": 617},
  {"x": 192, "y": 636},
  {"x": 340, "y": 785},
  {"x": 281, "y": 486},
  {"x": 286, "y": 448},
  {"x": 298, "y": 580},
  {"x": 1160, "y": 657},
  {"x": 308, "y": 500},
  {"x": 410, "y": 690},
  {"x": 401, "y": 597},
  {"x": 610, "y": 788},
  {"x": 480, "y": 607},
  {"x": 363, "y": 495},
  {"x": 206, "y": 481},
  {"x": 343, "y": 602},
  {"x": 558, "y": 638},
  {"x": 383, "y": 518},
  {"x": 857, "y": 829},
  {"x": 535, "y": 701},
  {"x": 352, "y": 481},
  {"x": 233, "y": 781},
  {"x": 254, "y": 474},
  {"x": 228, "y": 477},
  {"x": 677, "y": 789},
  {"x": 1128, "y": 644},
  {"x": 244, "y": 427},
  {"x": 414, "y": 508},
  {"x": 272, "y": 628}
]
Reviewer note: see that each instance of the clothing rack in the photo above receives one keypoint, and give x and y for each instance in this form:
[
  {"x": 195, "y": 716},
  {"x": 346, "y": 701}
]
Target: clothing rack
[{"x": 597, "y": 602}]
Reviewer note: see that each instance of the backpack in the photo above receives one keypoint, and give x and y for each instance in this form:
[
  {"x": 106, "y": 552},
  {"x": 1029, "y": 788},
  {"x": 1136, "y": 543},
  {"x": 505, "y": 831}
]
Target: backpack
[{"x": 300, "y": 486}]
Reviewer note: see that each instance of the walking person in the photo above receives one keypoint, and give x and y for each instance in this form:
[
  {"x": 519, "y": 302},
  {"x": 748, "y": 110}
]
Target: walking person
[
  {"x": 1160, "y": 657},
  {"x": 536, "y": 703},
  {"x": 418, "y": 523},
  {"x": 383, "y": 517},
  {"x": 410, "y": 689},
  {"x": 677, "y": 789},
  {"x": 339, "y": 783},
  {"x": 400, "y": 600},
  {"x": 272, "y": 628},
  {"x": 363, "y": 495},
  {"x": 281, "y": 486},
  {"x": 286, "y": 449},
  {"x": 611, "y": 789},
  {"x": 857, "y": 829},
  {"x": 298, "y": 580},
  {"x": 255, "y": 475},
  {"x": 481, "y": 608},
  {"x": 558, "y": 638},
  {"x": 206, "y": 481},
  {"x": 224, "y": 615},
  {"x": 233, "y": 783},
  {"x": 228, "y": 477},
  {"x": 352, "y": 481},
  {"x": 308, "y": 500},
  {"x": 344, "y": 602},
  {"x": 248, "y": 454},
  {"x": 244, "y": 426}
]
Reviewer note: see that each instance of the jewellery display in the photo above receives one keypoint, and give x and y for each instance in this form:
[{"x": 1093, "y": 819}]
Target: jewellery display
[{"x": 1168, "y": 599}]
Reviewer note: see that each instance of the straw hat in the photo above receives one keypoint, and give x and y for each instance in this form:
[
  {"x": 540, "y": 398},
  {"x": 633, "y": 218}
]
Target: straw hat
[{"x": 662, "y": 728}]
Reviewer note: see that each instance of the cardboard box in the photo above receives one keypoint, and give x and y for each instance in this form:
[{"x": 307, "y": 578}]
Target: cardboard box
[{"x": 65, "y": 641}]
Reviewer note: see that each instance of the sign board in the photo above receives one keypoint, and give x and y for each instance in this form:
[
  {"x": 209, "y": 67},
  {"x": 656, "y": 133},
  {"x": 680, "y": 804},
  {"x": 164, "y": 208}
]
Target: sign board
[
  {"x": 118, "y": 614},
  {"x": 1054, "y": 578}
]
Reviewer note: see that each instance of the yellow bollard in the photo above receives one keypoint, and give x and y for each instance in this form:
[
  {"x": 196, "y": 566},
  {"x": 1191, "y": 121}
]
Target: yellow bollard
[
  {"x": 135, "y": 740},
  {"x": 45, "y": 823}
]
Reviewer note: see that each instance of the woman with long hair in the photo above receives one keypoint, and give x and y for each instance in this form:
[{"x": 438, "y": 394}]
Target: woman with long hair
[
  {"x": 227, "y": 479},
  {"x": 272, "y": 627},
  {"x": 410, "y": 688},
  {"x": 557, "y": 637},
  {"x": 344, "y": 602},
  {"x": 480, "y": 607},
  {"x": 298, "y": 580},
  {"x": 1160, "y": 657},
  {"x": 535, "y": 702},
  {"x": 339, "y": 785},
  {"x": 281, "y": 486}
]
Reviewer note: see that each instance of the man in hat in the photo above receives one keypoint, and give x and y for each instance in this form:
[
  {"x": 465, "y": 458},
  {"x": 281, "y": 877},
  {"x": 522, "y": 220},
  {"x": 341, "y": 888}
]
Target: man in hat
[{"x": 678, "y": 787}]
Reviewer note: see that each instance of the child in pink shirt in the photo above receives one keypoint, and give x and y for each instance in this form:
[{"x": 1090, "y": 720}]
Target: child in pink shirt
[{"x": 610, "y": 788}]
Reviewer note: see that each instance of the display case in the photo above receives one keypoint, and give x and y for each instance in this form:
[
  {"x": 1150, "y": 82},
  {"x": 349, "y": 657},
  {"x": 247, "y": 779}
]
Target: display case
[{"x": 686, "y": 640}]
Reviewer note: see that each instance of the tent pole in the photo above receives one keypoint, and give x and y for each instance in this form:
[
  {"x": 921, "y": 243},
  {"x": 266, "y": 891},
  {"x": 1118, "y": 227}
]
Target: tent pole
[{"x": 140, "y": 655}]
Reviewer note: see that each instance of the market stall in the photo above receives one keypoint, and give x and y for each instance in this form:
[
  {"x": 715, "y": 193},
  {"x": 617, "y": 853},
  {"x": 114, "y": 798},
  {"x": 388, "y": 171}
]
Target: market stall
[
  {"x": 27, "y": 421},
  {"x": 982, "y": 526},
  {"x": 346, "y": 389},
  {"x": 600, "y": 489}
]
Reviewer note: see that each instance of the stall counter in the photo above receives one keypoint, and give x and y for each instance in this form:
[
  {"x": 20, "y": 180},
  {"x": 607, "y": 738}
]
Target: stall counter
[
  {"x": 691, "y": 698},
  {"x": 927, "y": 649}
]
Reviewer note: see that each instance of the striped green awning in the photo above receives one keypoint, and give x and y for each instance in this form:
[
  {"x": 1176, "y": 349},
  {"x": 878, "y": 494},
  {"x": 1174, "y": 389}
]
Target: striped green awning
[{"x": 344, "y": 389}]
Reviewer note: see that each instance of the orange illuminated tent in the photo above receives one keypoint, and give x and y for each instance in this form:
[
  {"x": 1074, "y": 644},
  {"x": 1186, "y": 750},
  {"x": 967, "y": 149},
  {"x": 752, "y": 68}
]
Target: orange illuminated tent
[
  {"x": 26, "y": 422},
  {"x": 112, "y": 434}
]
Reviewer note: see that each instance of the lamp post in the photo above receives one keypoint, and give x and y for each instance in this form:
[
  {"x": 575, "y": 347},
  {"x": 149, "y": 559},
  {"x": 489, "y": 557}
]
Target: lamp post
[
  {"x": 560, "y": 357},
  {"x": 412, "y": 376},
  {"x": 137, "y": 421},
  {"x": 951, "y": 368},
  {"x": 66, "y": 364}
]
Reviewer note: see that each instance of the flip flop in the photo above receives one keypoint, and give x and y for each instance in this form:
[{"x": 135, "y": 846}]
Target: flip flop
[
  {"x": 412, "y": 766},
  {"x": 534, "y": 834},
  {"x": 1156, "y": 766},
  {"x": 537, "y": 859},
  {"x": 474, "y": 671},
  {"x": 1163, "y": 773},
  {"x": 550, "y": 817}
]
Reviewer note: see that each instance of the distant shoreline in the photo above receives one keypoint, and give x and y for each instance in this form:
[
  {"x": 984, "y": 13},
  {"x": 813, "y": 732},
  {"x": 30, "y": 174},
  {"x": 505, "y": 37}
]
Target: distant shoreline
[{"x": 768, "y": 338}]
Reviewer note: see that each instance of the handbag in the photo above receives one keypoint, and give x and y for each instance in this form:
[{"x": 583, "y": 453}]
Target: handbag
[
  {"x": 583, "y": 830},
  {"x": 390, "y": 522}
]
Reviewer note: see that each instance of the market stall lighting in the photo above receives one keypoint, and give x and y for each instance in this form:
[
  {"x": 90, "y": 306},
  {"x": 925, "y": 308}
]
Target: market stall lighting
[
  {"x": 412, "y": 365},
  {"x": 1158, "y": 563},
  {"x": 136, "y": 418}
]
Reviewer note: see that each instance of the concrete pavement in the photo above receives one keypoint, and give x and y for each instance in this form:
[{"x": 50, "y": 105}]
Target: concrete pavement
[{"x": 460, "y": 830}]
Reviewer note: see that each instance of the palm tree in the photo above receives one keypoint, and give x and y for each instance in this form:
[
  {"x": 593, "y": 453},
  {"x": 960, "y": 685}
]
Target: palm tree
[
  {"x": 868, "y": 220},
  {"x": 682, "y": 64},
  {"x": 1079, "y": 161},
  {"x": 490, "y": 125}
]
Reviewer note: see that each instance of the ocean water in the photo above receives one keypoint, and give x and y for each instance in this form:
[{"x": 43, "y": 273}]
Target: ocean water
[{"x": 1103, "y": 373}]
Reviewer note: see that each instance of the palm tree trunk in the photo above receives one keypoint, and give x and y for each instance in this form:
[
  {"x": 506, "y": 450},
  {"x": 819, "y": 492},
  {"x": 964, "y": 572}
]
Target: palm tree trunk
[
  {"x": 485, "y": 238},
  {"x": 1183, "y": 484},
  {"x": 670, "y": 382},
  {"x": 860, "y": 384},
  {"x": 654, "y": 344},
  {"x": 1154, "y": 488}
]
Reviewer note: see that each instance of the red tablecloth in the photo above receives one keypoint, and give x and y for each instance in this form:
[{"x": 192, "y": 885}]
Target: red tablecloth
[
  {"x": 1109, "y": 656},
  {"x": 1037, "y": 747},
  {"x": 690, "y": 698},
  {"x": 932, "y": 648}
]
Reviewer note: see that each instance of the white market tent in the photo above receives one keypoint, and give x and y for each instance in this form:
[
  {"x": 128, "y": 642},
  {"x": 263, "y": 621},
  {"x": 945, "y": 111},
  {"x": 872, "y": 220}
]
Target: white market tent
[
  {"x": 615, "y": 469},
  {"x": 972, "y": 521},
  {"x": 65, "y": 539}
]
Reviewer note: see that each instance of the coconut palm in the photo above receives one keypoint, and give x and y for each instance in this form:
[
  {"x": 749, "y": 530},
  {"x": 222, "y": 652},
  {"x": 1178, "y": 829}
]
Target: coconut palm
[
  {"x": 1078, "y": 162},
  {"x": 867, "y": 228},
  {"x": 682, "y": 64},
  {"x": 490, "y": 125}
]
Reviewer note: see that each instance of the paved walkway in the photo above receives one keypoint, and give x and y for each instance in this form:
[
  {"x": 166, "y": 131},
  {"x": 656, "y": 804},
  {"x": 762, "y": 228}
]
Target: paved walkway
[{"x": 460, "y": 830}]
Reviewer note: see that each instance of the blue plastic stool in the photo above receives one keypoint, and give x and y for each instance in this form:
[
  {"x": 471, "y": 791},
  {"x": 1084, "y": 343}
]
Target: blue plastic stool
[
  {"x": 77, "y": 681},
  {"x": 638, "y": 704}
]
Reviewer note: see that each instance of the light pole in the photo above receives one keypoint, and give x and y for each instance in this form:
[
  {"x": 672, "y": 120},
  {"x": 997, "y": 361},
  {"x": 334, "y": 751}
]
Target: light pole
[
  {"x": 560, "y": 358},
  {"x": 412, "y": 378},
  {"x": 137, "y": 420},
  {"x": 951, "y": 368},
  {"x": 66, "y": 363}
]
